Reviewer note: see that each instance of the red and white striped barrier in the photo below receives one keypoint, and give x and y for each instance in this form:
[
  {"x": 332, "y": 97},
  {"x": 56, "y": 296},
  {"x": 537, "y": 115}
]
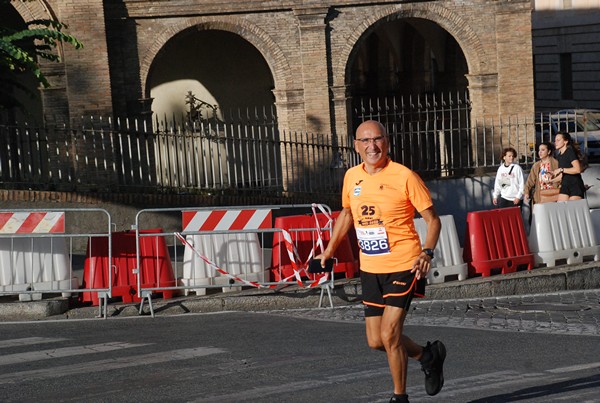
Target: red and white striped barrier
[
  {"x": 32, "y": 223},
  {"x": 223, "y": 220}
]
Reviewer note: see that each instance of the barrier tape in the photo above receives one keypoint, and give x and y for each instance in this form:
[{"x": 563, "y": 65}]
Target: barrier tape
[
  {"x": 292, "y": 253},
  {"x": 329, "y": 222},
  {"x": 217, "y": 268}
]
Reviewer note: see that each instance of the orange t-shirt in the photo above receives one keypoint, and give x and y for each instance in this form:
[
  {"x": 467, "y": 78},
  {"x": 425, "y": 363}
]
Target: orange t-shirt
[{"x": 383, "y": 209}]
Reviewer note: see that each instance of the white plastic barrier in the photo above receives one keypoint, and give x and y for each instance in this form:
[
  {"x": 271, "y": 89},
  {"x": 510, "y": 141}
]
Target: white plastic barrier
[
  {"x": 562, "y": 230},
  {"x": 238, "y": 254},
  {"x": 595, "y": 214},
  {"x": 35, "y": 264},
  {"x": 448, "y": 260}
]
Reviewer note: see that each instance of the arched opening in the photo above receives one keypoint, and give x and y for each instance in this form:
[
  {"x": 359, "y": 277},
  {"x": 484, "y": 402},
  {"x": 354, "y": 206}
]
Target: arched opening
[
  {"x": 410, "y": 74},
  {"x": 19, "y": 93},
  {"x": 205, "y": 64},
  {"x": 197, "y": 79},
  {"x": 409, "y": 56}
]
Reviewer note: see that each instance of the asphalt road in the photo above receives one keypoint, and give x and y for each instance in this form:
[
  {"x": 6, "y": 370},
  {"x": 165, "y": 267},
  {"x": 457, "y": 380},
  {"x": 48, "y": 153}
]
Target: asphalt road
[{"x": 310, "y": 355}]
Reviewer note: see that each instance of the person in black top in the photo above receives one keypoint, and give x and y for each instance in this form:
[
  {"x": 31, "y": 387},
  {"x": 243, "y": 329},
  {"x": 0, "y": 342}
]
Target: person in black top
[{"x": 569, "y": 168}]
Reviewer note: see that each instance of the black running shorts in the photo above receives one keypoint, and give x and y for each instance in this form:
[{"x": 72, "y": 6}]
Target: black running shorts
[{"x": 394, "y": 289}]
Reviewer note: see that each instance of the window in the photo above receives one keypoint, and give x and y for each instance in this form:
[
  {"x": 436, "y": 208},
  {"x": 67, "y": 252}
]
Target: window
[
  {"x": 534, "y": 78},
  {"x": 566, "y": 76}
]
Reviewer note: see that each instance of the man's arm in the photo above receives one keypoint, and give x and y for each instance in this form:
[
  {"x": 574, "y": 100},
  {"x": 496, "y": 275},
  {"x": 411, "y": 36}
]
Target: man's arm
[
  {"x": 340, "y": 229},
  {"x": 434, "y": 226}
]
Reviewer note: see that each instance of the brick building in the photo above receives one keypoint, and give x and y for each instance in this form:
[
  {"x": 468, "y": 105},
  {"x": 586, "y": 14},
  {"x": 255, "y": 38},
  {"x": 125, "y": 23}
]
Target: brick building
[{"x": 308, "y": 58}]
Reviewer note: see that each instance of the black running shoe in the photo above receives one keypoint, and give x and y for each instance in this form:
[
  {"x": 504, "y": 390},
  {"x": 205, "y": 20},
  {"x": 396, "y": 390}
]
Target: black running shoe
[
  {"x": 434, "y": 368},
  {"x": 399, "y": 399}
]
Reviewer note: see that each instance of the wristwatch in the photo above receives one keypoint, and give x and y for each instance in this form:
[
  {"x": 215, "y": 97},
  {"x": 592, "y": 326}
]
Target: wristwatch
[{"x": 428, "y": 252}]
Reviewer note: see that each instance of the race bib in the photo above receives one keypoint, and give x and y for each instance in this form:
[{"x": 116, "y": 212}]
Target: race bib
[{"x": 373, "y": 241}]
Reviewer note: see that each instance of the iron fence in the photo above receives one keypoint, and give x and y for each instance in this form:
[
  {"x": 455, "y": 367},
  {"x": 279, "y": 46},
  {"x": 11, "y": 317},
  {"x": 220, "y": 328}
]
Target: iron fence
[
  {"x": 434, "y": 138},
  {"x": 134, "y": 156}
]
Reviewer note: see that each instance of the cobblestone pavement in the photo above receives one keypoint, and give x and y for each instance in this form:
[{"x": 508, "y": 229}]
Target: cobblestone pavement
[{"x": 565, "y": 312}]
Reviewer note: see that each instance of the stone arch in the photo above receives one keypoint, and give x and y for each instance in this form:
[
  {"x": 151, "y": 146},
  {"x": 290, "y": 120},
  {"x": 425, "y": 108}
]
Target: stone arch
[
  {"x": 466, "y": 37},
  {"x": 34, "y": 10},
  {"x": 53, "y": 103},
  {"x": 37, "y": 10},
  {"x": 258, "y": 38}
]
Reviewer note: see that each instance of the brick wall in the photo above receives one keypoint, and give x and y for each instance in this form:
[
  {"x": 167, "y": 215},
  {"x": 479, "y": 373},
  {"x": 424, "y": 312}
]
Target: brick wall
[
  {"x": 88, "y": 86},
  {"x": 575, "y": 32},
  {"x": 307, "y": 44}
]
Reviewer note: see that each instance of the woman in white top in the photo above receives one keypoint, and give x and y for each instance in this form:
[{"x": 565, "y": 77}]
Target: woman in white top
[{"x": 509, "y": 184}]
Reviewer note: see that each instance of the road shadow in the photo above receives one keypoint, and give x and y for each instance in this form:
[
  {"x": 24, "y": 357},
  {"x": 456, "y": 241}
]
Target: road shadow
[{"x": 544, "y": 390}]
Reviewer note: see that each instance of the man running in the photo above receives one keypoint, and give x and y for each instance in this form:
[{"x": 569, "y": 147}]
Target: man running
[{"x": 379, "y": 197}]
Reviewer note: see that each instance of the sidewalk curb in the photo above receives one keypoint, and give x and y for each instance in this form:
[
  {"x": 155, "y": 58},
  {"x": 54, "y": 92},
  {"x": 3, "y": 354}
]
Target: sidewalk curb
[
  {"x": 346, "y": 292},
  {"x": 34, "y": 309},
  {"x": 536, "y": 281}
]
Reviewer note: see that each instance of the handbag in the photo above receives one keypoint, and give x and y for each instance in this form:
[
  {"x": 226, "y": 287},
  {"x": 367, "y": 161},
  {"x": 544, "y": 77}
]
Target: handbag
[{"x": 549, "y": 195}]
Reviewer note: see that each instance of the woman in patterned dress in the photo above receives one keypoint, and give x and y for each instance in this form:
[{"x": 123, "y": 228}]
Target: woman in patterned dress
[{"x": 541, "y": 177}]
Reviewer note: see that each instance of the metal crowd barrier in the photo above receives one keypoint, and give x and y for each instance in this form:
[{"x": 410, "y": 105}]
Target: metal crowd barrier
[
  {"x": 38, "y": 251},
  {"x": 227, "y": 248}
]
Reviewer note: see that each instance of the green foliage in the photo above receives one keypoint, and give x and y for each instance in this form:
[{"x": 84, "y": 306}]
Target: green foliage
[{"x": 21, "y": 51}]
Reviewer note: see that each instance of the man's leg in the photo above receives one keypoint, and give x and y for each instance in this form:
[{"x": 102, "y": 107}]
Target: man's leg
[
  {"x": 385, "y": 333},
  {"x": 373, "y": 327},
  {"x": 413, "y": 350},
  {"x": 386, "y": 299}
]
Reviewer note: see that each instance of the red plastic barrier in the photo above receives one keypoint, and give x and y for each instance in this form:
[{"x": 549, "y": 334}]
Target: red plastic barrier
[
  {"x": 281, "y": 266},
  {"x": 495, "y": 239},
  {"x": 156, "y": 269}
]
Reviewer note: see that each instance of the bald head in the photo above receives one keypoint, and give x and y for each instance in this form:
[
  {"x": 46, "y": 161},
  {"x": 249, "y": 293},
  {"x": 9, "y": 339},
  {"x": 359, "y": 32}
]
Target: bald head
[{"x": 370, "y": 126}]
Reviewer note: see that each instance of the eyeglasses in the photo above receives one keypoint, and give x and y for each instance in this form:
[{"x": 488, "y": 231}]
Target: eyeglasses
[{"x": 367, "y": 140}]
